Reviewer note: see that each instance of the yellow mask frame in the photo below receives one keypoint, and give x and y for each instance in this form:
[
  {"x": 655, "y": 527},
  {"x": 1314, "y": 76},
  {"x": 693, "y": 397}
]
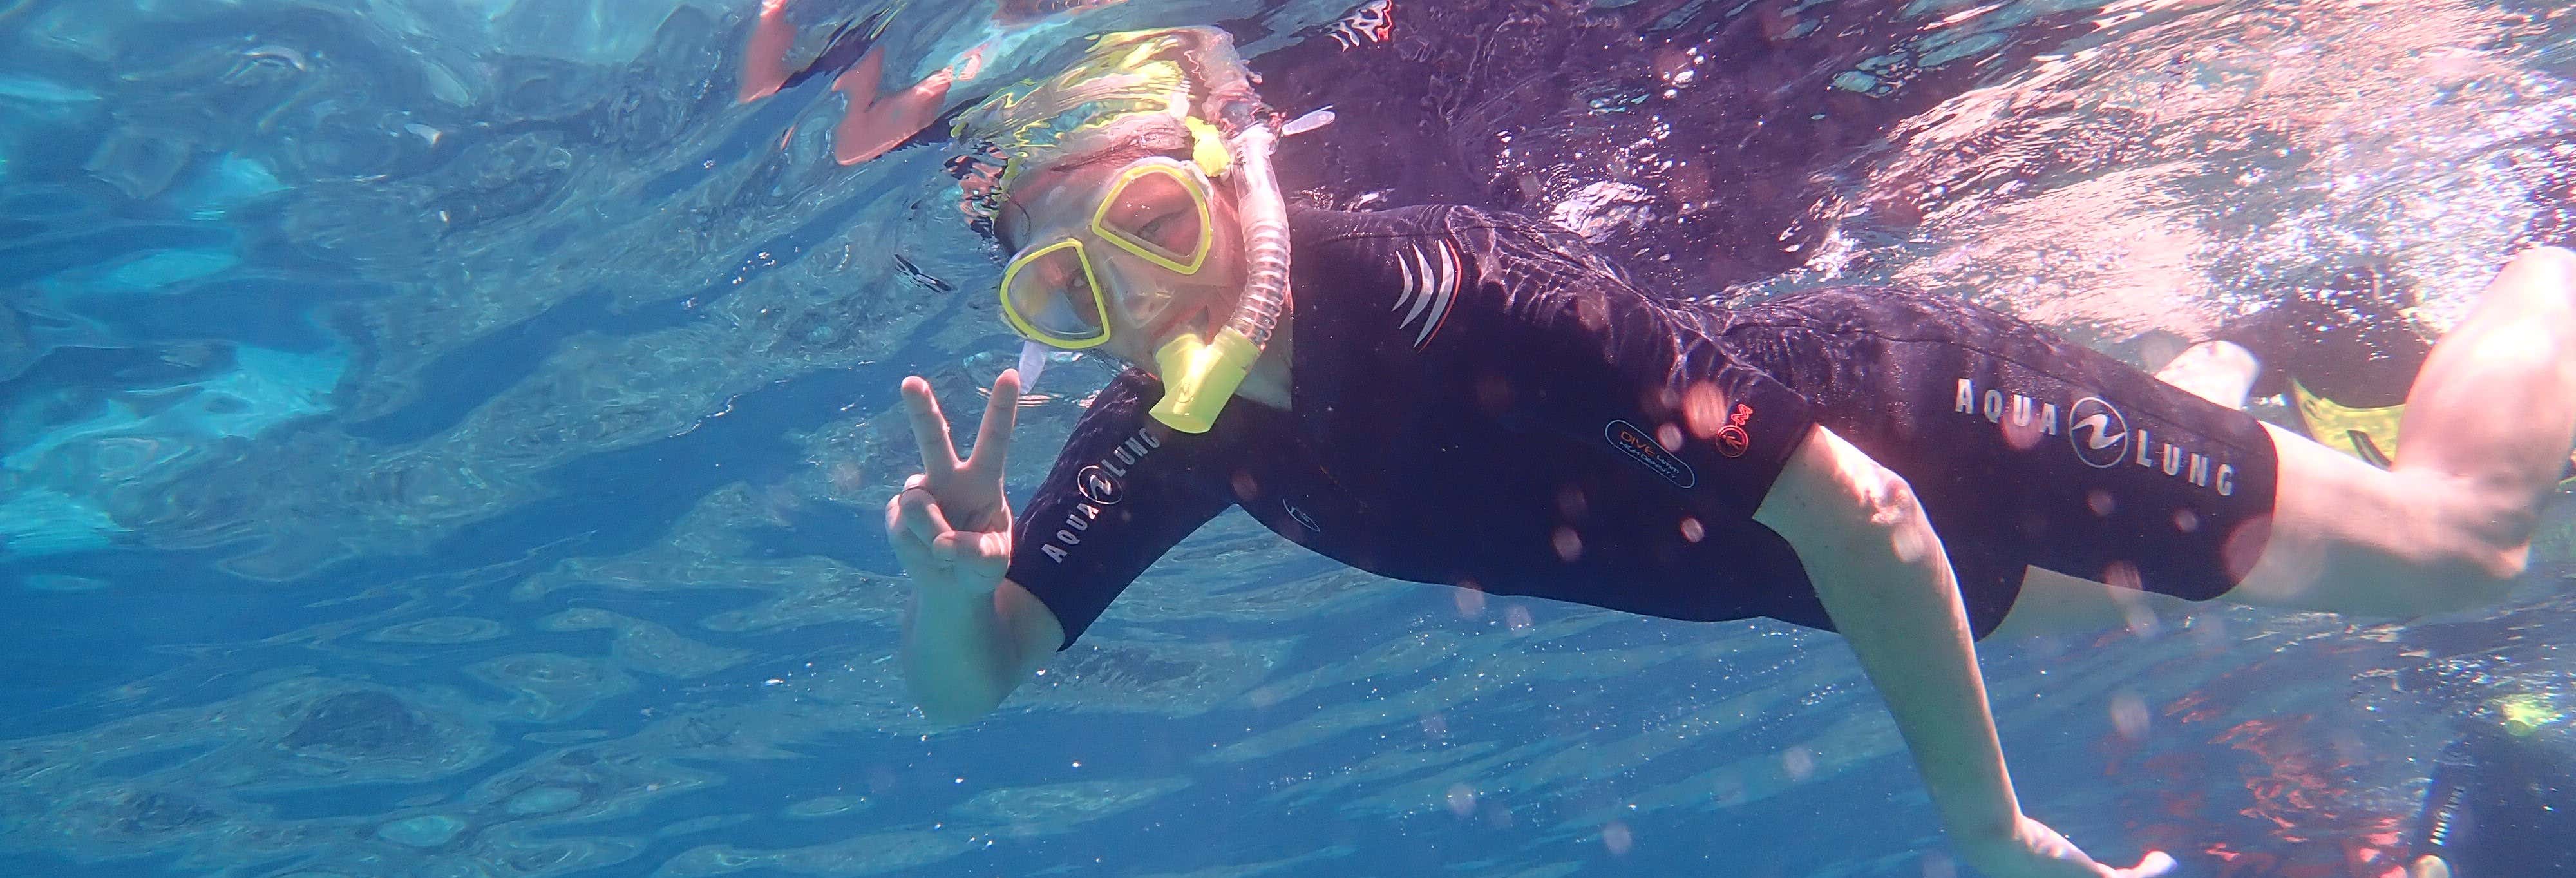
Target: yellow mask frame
[
  {"x": 1101, "y": 226},
  {"x": 1190, "y": 182},
  {"x": 1090, "y": 279}
]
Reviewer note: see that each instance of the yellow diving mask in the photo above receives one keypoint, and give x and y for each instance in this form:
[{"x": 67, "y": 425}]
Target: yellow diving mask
[{"x": 1155, "y": 209}]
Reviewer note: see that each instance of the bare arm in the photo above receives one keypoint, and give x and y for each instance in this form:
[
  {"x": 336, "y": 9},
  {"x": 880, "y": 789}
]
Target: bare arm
[
  {"x": 963, "y": 652},
  {"x": 1883, "y": 577}
]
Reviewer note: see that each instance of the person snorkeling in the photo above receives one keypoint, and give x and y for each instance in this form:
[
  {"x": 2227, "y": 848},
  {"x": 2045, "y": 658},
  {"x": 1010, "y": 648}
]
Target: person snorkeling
[
  {"x": 2502, "y": 799},
  {"x": 1447, "y": 395}
]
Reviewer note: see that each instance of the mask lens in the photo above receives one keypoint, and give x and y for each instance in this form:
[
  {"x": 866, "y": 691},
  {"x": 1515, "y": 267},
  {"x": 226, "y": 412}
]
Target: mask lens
[
  {"x": 1051, "y": 294},
  {"x": 1161, "y": 215}
]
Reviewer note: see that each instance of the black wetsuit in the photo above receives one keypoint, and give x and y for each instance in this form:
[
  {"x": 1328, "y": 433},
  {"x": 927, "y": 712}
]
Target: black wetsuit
[
  {"x": 1479, "y": 400},
  {"x": 2346, "y": 339}
]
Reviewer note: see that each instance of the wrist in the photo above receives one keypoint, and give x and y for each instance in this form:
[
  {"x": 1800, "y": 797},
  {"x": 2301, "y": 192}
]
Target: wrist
[
  {"x": 948, "y": 595},
  {"x": 1989, "y": 838}
]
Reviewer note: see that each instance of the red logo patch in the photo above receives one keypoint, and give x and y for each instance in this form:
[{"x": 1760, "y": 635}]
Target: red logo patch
[{"x": 1732, "y": 440}]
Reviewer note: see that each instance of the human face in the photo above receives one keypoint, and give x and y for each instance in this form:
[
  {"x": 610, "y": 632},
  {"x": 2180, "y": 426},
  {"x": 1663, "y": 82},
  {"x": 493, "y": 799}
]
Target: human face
[{"x": 1119, "y": 257}]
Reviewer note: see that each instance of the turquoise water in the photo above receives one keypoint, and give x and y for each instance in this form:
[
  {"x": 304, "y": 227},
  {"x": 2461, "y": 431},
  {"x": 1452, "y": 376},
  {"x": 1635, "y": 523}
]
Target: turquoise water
[{"x": 447, "y": 438}]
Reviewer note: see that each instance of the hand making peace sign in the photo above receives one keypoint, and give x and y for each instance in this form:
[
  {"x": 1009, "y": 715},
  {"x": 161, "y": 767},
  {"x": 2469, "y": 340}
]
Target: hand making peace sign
[{"x": 951, "y": 526}]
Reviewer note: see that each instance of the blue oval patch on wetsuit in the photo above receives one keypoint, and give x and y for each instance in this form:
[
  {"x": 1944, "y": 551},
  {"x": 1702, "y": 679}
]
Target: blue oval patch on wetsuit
[{"x": 1480, "y": 400}]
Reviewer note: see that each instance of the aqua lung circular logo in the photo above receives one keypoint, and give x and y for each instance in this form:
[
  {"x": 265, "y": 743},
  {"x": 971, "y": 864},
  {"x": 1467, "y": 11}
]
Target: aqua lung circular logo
[
  {"x": 1099, "y": 487},
  {"x": 2098, "y": 432}
]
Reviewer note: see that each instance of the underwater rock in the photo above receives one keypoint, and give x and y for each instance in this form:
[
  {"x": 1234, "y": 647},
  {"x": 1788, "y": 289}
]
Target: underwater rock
[
  {"x": 317, "y": 732},
  {"x": 362, "y": 723}
]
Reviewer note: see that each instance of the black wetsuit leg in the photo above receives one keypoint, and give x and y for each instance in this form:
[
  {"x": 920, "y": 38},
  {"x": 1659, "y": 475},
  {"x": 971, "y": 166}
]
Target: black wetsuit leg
[
  {"x": 2025, "y": 449},
  {"x": 2347, "y": 339}
]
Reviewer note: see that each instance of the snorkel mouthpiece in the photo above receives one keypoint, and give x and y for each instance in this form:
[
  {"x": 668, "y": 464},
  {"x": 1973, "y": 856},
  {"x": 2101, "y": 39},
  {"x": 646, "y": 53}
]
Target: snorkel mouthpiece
[{"x": 1199, "y": 376}]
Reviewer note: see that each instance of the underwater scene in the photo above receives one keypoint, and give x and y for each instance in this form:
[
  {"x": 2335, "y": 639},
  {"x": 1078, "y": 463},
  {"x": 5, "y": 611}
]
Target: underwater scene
[{"x": 469, "y": 438}]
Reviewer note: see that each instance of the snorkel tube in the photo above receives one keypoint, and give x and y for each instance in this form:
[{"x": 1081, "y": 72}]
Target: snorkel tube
[{"x": 1201, "y": 375}]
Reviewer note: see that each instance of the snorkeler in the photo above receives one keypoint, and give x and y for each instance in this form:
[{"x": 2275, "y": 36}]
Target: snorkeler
[
  {"x": 2502, "y": 804},
  {"x": 1478, "y": 399}
]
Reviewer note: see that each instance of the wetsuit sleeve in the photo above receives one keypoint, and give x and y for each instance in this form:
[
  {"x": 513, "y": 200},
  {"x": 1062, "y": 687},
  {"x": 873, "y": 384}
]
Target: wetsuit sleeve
[
  {"x": 1590, "y": 357},
  {"x": 1124, "y": 491}
]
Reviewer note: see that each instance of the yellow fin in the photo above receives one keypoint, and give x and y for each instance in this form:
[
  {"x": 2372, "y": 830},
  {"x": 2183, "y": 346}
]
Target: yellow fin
[{"x": 2369, "y": 434}]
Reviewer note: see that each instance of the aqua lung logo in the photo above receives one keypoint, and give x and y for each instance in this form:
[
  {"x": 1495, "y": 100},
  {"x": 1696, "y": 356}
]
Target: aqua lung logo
[
  {"x": 2098, "y": 433},
  {"x": 1101, "y": 485},
  {"x": 1098, "y": 486}
]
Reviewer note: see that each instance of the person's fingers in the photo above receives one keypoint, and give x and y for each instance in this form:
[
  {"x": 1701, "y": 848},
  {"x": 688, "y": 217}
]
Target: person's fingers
[
  {"x": 1001, "y": 413},
  {"x": 929, "y": 427},
  {"x": 988, "y": 556},
  {"x": 909, "y": 549},
  {"x": 918, "y": 514},
  {"x": 913, "y": 554},
  {"x": 977, "y": 552}
]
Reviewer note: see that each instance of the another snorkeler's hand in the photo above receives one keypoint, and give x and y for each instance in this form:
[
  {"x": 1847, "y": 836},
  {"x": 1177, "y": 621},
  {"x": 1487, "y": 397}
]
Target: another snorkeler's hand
[
  {"x": 2036, "y": 851},
  {"x": 951, "y": 526}
]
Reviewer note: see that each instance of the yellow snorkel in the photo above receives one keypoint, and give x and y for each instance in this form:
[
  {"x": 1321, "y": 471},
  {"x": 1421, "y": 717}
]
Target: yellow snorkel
[
  {"x": 1195, "y": 76},
  {"x": 1200, "y": 375}
]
